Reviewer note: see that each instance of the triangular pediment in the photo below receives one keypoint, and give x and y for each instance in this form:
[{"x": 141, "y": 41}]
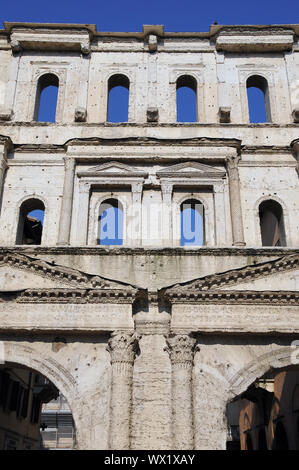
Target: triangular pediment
[
  {"x": 19, "y": 272},
  {"x": 113, "y": 169},
  {"x": 281, "y": 274},
  {"x": 191, "y": 170}
]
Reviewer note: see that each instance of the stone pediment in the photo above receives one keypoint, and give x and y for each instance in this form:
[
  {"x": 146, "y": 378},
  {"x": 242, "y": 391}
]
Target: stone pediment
[
  {"x": 113, "y": 169},
  {"x": 19, "y": 272},
  {"x": 190, "y": 170},
  {"x": 272, "y": 279}
]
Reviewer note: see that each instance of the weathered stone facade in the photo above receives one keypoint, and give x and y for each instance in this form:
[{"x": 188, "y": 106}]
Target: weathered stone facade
[{"x": 155, "y": 339}]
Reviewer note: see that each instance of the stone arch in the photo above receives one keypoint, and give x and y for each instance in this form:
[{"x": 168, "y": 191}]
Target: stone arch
[
  {"x": 16, "y": 353},
  {"x": 278, "y": 359}
]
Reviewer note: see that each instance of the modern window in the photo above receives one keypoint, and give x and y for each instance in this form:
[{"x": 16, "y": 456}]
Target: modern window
[
  {"x": 186, "y": 99},
  {"x": 111, "y": 223},
  {"x": 30, "y": 226},
  {"x": 46, "y": 98},
  {"x": 258, "y": 99},
  {"x": 192, "y": 223},
  {"x": 272, "y": 224},
  {"x": 118, "y": 98}
]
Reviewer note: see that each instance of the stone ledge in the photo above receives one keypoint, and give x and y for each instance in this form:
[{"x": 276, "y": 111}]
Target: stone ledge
[{"x": 167, "y": 251}]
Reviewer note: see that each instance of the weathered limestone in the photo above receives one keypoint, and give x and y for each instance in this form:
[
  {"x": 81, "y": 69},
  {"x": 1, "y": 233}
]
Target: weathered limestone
[
  {"x": 122, "y": 348},
  {"x": 149, "y": 339},
  {"x": 235, "y": 200},
  {"x": 181, "y": 355},
  {"x": 67, "y": 201}
]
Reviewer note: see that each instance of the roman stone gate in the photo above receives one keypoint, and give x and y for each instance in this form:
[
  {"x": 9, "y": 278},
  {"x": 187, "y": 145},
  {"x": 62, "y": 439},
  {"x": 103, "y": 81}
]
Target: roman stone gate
[{"x": 149, "y": 263}]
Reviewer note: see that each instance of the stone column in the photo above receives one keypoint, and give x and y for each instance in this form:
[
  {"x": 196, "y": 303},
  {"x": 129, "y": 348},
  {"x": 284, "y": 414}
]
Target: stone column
[
  {"x": 3, "y": 166},
  {"x": 181, "y": 351},
  {"x": 122, "y": 348},
  {"x": 82, "y": 218},
  {"x": 67, "y": 202},
  {"x": 136, "y": 221},
  {"x": 235, "y": 200},
  {"x": 167, "y": 239},
  {"x": 5, "y": 146}
]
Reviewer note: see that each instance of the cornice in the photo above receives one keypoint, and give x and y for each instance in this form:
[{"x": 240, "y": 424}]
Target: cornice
[
  {"x": 168, "y": 251},
  {"x": 204, "y": 287},
  {"x": 64, "y": 275},
  {"x": 234, "y": 297},
  {"x": 71, "y": 296}
]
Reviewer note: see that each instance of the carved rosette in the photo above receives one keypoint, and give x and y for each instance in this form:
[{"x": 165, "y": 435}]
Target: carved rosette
[{"x": 181, "y": 350}]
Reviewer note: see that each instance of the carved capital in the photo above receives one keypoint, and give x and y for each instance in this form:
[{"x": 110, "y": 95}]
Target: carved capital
[
  {"x": 181, "y": 349},
  {"x": 167, "y": 189},
  {"x": 232, "y": 162},
  {"x": 122, "y": 347},
  {"x": 84, "y": 188},
  {"x": 137, "y": 187}
]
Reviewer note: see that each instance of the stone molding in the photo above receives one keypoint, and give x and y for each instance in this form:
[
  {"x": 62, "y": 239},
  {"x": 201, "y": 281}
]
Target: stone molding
[
  {"x": 50, "y": 39},
  {"x": 238, "y": 297},
  {"x": 73, "y": 296},
  {"x": 73, "y": 277},
  {"x": 234, "y": 276}
]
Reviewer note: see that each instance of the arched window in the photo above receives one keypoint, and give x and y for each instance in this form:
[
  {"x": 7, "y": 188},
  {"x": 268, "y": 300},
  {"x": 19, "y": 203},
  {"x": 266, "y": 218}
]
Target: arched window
[
  {"x": 271, "y": 223},
  {"x": 111, "y": 223},
  {"x": 280, "y": 441},
  {"x": 46, "y": 98},
  {"x": 262, "y": 440},
  {"x": 258, "y": 99},
  {"x": 118, "y": 98},
  {"x": 192, "y": 223},
  {"x": 30, "y": 226},
  {"x": 186, "y": 99}
]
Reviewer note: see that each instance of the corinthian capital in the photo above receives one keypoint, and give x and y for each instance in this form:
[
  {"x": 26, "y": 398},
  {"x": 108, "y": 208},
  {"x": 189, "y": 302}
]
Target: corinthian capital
[
  {"x": 122, "y": 347},
  {"x": 181, "y": 349}
]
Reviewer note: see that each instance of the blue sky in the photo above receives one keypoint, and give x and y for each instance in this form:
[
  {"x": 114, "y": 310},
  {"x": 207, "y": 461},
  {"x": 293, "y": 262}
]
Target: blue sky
[{"x": 130, "y": 15}]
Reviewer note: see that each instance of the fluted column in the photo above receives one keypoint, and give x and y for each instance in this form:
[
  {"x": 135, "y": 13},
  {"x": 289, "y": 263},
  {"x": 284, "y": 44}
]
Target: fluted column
[
  {"x": 181, "y": 351},
  {"x": 5, "y": 147},
  {"x": 235, "y": 200},
  {"x": 136, "y": 222},
  {"x": 82, "y": 215},
  {"x": 67, "y": 202},
  {"x": 167, "y": 189},
  {"x": 122, "y": 348}
]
